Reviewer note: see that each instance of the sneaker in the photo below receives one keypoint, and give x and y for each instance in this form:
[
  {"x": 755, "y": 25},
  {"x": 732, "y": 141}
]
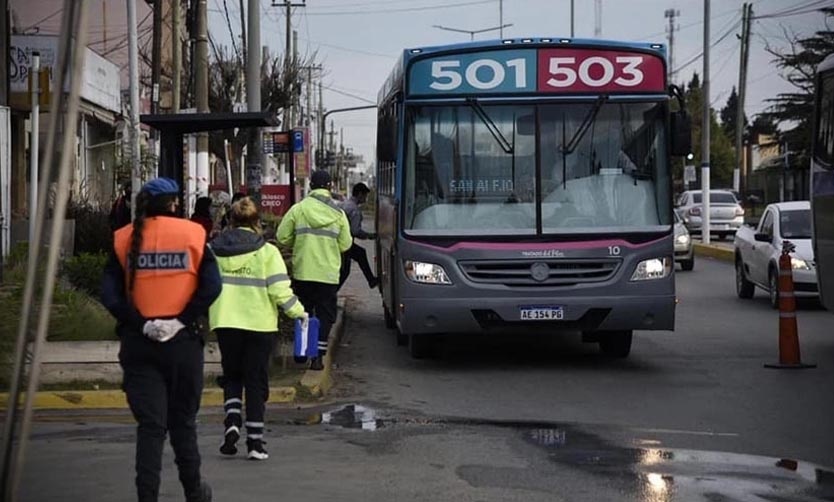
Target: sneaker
[
  {"x": 256, "y": 449},
  {"x": 229, "y": 446},
  {"x": 317, "y": 364},
  {"x": 299, "y": 359}
]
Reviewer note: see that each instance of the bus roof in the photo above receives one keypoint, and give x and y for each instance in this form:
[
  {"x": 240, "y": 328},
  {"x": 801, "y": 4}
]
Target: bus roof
[{"x": 532, "y": 42}]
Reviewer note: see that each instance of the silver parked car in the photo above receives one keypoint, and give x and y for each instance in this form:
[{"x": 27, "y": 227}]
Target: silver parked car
[
  {"x": 684, "y": 251},
  {"x": 726, "y": 214}
]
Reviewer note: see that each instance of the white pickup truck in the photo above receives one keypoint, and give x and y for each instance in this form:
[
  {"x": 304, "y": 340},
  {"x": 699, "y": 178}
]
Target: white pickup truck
[{"x": 757, "y": 252}]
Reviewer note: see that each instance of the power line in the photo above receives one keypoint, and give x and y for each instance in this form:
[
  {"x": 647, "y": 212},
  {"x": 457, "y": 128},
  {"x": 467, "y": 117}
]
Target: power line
[
  {"x": 796, "y": 10},
  {"x": 348, "y": 94},
  {"x": 404, "y": 9},
  {"x": 345, "y": 49},
  {"x": 698, "y": 56}
]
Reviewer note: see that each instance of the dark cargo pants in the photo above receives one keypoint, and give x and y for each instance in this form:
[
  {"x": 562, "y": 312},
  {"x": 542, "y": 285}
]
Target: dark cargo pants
[
  {"x": 164, "y": 384},
  {"x": 319, "y": 300}
]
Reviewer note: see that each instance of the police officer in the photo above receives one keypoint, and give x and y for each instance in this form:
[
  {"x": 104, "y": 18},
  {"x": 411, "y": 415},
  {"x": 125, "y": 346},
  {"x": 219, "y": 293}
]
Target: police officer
[
  {"x": 160, "y": 278},
  {"x": 318, "y": 232},
  {"x": 245, "y": 319}
]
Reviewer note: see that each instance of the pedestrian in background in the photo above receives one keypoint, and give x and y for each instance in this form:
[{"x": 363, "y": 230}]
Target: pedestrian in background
[
  {"x": 353, "y": 211},
  {"x": 318, "y": 232},
  {"x": 161, "y": 276},
  {"x": 245, "y": 319},
  {"x": 120, "y": 211},
  {"x": 202, "y": 215},
  {"x": 224, "y": 222}
]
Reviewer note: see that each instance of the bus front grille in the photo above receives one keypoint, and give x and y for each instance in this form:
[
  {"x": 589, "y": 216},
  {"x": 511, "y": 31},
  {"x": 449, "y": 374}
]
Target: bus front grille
[{"x": 540, "y": 273}]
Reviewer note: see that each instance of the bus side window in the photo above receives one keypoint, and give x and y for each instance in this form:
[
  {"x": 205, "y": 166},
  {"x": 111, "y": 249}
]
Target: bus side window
[{"x": 824, "y": 140}]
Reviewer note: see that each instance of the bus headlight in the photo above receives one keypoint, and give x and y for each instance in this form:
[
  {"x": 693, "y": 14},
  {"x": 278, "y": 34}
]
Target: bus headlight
[
  {"x": 426, "y": 273},
  {"x": 656, "y": 268},
  {"x": 799, "y": 264}
]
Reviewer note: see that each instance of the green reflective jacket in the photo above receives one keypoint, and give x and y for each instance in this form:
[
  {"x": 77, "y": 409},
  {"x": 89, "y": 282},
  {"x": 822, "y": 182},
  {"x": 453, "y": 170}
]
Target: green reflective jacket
[
  {"x": 255, "y": 283},
  {"x": 318, "y": 232}
]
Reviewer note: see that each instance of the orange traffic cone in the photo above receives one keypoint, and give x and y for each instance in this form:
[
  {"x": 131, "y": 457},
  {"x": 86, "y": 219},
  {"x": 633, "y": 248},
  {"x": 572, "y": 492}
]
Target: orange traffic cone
[{"x": 788, "y": 333}]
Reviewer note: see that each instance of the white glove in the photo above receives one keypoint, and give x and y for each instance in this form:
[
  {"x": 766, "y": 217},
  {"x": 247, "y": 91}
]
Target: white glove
[
  {"x": 162, "y": 330},
  {"x": 167, "y": 329},
  {"x": 150, "y": 330}
]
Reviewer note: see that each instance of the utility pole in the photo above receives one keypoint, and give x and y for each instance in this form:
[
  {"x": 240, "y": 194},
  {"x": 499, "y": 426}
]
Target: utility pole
[
  {"x": 572, "y": 33},
  {"x": 242, "y": 35},
  {"x": 747, "y": 17},
  {"x": 671, "y": 14},
  {"x": 501, "y": 18},
  {"x": 104, "y": 25},
  {"x": 288, "y": 58},
  {"x": 133, "y": 63},
  {"x": 201, "y": 95},
  {"x": 156, "y": 55},
  {"x": 254, "y": 148},
  {"x": 705, "y": 136},
  {"x": 176, "y": 55},
  {"x": 34, "y": 146},
  {"x": 296, "y": 88},
  {"x": 321, "y": 126}
]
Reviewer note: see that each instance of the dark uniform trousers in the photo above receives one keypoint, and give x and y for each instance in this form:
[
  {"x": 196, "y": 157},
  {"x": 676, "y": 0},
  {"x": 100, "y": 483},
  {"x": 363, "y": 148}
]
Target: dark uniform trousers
[
  {"x": 164, "y": 383},
  {"x": 245, "y": 361},
  {"x": 358, "y": 254},
  {"x": 319, "y": 300}
]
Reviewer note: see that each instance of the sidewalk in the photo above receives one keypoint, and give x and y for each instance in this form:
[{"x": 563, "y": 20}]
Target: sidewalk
[{"x": 312, "y": 383}]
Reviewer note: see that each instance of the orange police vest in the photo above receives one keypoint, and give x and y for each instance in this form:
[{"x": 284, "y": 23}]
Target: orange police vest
[{"x": 169, "y": 258}]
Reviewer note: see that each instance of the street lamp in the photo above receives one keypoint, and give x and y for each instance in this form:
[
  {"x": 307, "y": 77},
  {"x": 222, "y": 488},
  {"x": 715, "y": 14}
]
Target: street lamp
[{"x": 472, "y": 32}]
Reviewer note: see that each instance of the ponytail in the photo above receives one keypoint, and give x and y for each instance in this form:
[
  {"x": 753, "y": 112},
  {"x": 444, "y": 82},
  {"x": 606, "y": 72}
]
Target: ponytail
[{"x": 142, "y": 200}]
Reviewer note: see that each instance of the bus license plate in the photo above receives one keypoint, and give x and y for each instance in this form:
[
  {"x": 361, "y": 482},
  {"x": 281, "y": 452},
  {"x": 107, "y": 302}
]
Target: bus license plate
[{"x": 541, "y": 313}]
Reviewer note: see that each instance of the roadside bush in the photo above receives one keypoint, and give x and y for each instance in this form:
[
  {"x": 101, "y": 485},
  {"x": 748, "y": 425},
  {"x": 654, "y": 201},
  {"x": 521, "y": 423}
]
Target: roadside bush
[
  {"x": 84, "y": 272},
  {"x": 92, "y": 227}
]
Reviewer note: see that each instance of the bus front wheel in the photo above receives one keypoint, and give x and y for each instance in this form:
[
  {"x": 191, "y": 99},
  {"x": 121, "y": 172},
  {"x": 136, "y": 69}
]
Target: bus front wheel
[{"x": 616, "y": 344}]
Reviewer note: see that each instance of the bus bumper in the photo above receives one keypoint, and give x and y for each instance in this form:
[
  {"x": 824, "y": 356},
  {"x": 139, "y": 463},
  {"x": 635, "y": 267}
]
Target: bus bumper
[{"x": 480, "y": 315}]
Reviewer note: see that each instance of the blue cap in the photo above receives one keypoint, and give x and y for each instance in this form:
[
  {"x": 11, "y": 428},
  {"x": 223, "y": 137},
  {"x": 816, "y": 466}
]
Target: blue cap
[{"x": 161, "y": 186}]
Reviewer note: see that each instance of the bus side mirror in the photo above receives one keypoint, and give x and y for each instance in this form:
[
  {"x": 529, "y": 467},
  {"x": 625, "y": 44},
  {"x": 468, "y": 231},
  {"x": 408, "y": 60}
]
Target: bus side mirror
[{"x": 681, "y": 129}]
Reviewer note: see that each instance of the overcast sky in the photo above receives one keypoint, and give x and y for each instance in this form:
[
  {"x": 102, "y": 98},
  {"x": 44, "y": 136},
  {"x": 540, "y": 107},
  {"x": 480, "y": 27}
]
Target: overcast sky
[{"x": 358, "y": 41}]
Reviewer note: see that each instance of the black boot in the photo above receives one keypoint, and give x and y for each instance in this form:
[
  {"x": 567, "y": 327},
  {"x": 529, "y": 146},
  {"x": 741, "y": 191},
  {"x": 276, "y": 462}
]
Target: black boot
[
  {"x": 203, "y": 494},
  {"x": 317, "y": 363}
]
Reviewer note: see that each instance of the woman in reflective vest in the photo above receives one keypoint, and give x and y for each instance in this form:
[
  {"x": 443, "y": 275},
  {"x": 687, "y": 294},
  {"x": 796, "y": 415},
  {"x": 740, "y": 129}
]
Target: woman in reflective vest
[
  {"x": 245, "y": 319},
  {"x": 160, "y": 278}
]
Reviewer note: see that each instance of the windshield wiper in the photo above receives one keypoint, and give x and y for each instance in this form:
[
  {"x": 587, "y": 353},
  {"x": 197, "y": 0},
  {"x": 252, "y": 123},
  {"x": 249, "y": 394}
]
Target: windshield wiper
[
  {"x": 490, "y": 125},
  {"x": 589, "y": 119}
]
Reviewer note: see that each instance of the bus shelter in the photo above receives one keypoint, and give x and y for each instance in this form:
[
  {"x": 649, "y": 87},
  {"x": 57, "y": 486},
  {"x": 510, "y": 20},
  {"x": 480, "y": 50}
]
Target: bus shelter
[{"x": 173, "y": 128}]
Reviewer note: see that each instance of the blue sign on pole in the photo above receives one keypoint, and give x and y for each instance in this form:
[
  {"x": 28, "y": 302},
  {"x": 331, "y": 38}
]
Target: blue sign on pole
[{"x": 298, "y": 141}]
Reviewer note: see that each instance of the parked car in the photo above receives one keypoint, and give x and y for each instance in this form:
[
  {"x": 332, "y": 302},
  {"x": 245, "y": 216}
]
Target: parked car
[
  {"x": 726, "y": 214},
  {"x": 684, "y": 251},
  {"x": 757, "y": 252}
]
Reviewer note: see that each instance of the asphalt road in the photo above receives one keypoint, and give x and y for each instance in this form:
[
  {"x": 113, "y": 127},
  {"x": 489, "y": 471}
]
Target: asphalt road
[{"x": 691, "y": 415}]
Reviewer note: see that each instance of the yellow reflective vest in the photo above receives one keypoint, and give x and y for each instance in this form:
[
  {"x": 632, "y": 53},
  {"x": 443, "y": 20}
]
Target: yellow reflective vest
[
  {"x": 255, "y": 283},
  {"x": 318, "y": 232}
]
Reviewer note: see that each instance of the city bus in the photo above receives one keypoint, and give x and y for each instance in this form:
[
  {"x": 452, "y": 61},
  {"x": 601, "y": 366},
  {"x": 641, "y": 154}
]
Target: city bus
[
  {"x": 525, "y": 185},
  {"x": 822, "y": 181}
]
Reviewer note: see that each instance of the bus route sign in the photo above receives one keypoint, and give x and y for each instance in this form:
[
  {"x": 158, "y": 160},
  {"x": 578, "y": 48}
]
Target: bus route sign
[{"x": 551, "y": 70}]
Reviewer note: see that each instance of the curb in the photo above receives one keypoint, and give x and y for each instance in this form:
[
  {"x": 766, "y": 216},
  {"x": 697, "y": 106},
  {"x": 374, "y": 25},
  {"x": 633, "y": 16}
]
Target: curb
[
  {"x": 314, "y": 383},
  {"x": 317, "y": 383},
  {"x": 719, "y": 253}
]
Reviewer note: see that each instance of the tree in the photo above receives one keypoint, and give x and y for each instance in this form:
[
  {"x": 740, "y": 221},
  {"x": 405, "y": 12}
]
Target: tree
[
  {"x": 722, "y": 153},
  {"x": 728, "y": 116},
  {"x": 798, "y": 63}
]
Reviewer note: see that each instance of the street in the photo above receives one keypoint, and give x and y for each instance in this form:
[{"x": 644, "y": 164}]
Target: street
[{"x": 690, "y": 415}]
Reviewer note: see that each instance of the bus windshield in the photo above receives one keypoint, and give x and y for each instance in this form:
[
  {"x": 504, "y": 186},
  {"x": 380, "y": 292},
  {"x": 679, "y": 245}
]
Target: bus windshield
[{"x": 601, "y": 167}]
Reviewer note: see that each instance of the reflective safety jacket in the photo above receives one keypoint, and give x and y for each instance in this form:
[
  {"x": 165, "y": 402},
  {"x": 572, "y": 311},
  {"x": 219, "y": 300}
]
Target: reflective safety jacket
[
  {"x": 255, "y": 283},
  {"x": 318, "y": 232},
  {"x": 167, "y": 265}
]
